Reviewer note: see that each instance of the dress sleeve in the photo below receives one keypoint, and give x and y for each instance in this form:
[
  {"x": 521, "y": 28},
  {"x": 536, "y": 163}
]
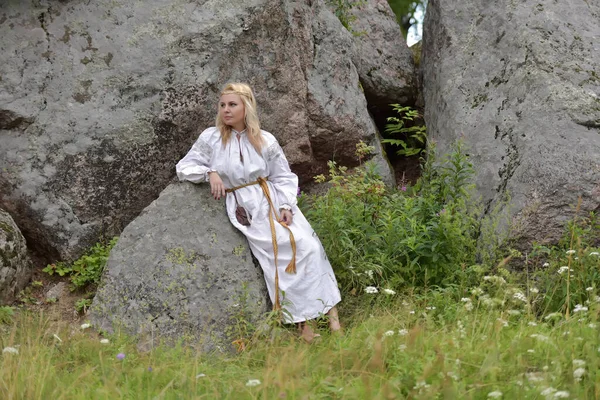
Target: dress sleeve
[
  {"x": 284, "y": 180},
  {"x": 195, "y": 166}
]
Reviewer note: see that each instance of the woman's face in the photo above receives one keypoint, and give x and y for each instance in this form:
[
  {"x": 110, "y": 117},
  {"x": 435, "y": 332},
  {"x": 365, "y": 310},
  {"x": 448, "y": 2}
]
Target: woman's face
[{"x": 232, "y": 111}]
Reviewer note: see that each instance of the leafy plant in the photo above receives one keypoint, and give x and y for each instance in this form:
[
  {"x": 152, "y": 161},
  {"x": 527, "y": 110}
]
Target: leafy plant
[
  {"x": 6, "y": 314},
  {"x": 82, "y": 305},
  {"x": 87, "y": 269},
  {"x": 377, "y": 236},
  {"x": 411, "y": 138}
]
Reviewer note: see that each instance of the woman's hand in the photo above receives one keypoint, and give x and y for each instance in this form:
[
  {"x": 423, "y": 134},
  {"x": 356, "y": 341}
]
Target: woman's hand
[
  {"x": 286, "y": 216},
  {"x": 217, "y": 189}
]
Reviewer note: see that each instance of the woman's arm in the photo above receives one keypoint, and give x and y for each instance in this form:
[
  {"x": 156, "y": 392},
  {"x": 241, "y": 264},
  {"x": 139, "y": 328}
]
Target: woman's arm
[
  {"x": 284, "y": 180},
  {"x": 195, "y": 166}
]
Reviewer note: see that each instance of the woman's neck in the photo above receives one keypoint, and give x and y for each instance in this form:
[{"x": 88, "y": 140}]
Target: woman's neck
[{"x": 239, "y": 128}]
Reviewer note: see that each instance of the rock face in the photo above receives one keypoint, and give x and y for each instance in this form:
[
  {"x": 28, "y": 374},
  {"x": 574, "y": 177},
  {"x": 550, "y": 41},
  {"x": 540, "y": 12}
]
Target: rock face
[
  {"x": 383, "y": 60},
  {"x": 181, "y": 271},
  {"x": 15, "y": 265},
  {"x": 99, "y": 100},
  {"x": 518, "y": 81}
]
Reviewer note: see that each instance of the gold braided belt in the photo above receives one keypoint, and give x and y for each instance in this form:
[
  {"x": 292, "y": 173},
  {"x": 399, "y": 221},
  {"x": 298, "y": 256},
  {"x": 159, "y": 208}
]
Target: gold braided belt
[{"x": 291, "y": 268}]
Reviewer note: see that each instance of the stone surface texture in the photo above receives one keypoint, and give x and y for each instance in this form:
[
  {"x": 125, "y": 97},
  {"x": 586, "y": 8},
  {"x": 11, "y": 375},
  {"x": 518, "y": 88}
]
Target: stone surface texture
[
  {"x": 520, "y": 83},
  {"x": 181, "y": 271},
  {"x": 15, "y": 265},
  {"x": 99, "y": 100},
  {"x": 383, "y": 60}
]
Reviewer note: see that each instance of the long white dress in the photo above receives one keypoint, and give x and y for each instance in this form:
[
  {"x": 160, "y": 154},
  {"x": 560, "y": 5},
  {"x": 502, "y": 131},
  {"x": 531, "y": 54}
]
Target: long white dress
[{"x": 313, "y": 290}]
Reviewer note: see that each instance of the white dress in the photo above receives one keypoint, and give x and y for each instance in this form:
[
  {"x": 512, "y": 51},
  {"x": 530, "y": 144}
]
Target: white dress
[{"x": 313, "y": 290}]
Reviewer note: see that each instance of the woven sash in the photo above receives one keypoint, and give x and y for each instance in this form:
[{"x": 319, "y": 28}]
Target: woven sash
[{"x": 291, "y": 268}]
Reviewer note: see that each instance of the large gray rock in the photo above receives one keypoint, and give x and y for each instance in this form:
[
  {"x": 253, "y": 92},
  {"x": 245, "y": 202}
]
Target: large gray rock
[
  {"x": 99, "y": 100},
  {"x": 181, "y": 271},
  {"x": 383, "y": 60},
  {"x": 519, "y": 82},
  {"x": 15, "y": 265}
]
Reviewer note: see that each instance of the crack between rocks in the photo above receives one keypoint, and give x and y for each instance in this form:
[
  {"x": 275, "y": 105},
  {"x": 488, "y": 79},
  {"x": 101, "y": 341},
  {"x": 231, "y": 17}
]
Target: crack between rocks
[
  {"x": 42, "y": 20},
  {"x": 511, "y": 165}
]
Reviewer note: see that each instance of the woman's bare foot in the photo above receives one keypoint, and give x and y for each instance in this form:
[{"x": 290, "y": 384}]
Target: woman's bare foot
[
  {"x": 334, "y": 320},
  {"x": 306, "y": 332}
]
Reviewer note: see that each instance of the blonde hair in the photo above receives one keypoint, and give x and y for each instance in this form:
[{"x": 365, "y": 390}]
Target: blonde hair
[{"x": 250, "y": 116}]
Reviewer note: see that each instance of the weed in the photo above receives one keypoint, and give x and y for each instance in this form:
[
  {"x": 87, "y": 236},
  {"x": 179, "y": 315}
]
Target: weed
[{"x": 87, "y": 269}]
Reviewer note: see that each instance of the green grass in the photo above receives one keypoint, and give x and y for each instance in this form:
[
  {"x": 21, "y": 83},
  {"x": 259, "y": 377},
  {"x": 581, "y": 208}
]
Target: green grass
[{"x": 438, "y": 349}]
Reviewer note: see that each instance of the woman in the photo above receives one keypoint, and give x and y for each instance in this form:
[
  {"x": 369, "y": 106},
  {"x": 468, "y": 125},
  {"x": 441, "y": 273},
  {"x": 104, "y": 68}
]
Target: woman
[{"x": 247, "y": 166}]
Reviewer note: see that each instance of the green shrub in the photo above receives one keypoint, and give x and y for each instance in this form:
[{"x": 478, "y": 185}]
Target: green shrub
[
  {"x": 382, "y": 237},
  {"x": 412, "y": 138},
  {"x": 87, "y": 269}
]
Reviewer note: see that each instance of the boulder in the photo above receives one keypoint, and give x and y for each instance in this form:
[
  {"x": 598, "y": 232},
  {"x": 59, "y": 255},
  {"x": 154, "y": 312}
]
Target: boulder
[
  {"x": 519, "y": 83},
  {"x": 15, "y": 265},
  {"x": 383, "y": 60},
  {"x": 181, "y": 271},
  {"x": 99, "y": 100}
]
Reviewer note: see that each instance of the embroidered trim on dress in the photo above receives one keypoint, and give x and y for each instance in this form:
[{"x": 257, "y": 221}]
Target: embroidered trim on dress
[
  {"x": 273, "y": 151},
  {"x": 203, "y": 148}
]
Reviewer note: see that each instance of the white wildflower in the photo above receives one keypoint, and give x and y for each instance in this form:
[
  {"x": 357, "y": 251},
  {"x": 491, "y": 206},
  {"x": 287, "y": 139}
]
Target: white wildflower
[
  {"x": 534, "y": 377},
  {"x": 554, "y": 315},
  {"x": 540, "y": 338},
  {"x": 371, "y": 290},
  {"x": 597, "y": 299},
  {"x": 534, "y": 290},
  {"x": 595, "y": 253},
  {"x": 571, "y": 252},
  {"x": 530, "y": 350},
  {"x": 579, "y": 308},
  {"x": 411, "y": 312},
  {"x": 369, "y": 273},
  {"x": 495, "y": 394},
  {"x": 546, "y": 265},
  {"x": 477, "y": 291},
  {"x": 502, "y": 322},
  {"x": 85, "y": 326},
  {"x": 10, "y": 350},
  {"x": 578, "y": 363},
  {"x": 520, "y": 296},
  {"x": 578, "y": 374},
  {"x": 589, "y": 289},
  {"x": 514, "y": 312},
  {"x": 531, "y": 323},
  {"x": 453, "y": 375},
  {"x": 253, "y": 382},
  {"x": 563, "y": 394},
  {"x": 494, "y": 279},
  {"x": 421, "y": 385},
  {"x": 104, "y": 341},
  {"x": 389, "y": 333},
  {"x": 548, "y": 391},
  {"x": 403, "y": 332},
  {"x": 592, "y": 325},
  {"x": 402, "y": 347},
  {"x": 388, "y": 291},
  {"x": 468, "y": 303},
  {"x": 564, "y": 269}
]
